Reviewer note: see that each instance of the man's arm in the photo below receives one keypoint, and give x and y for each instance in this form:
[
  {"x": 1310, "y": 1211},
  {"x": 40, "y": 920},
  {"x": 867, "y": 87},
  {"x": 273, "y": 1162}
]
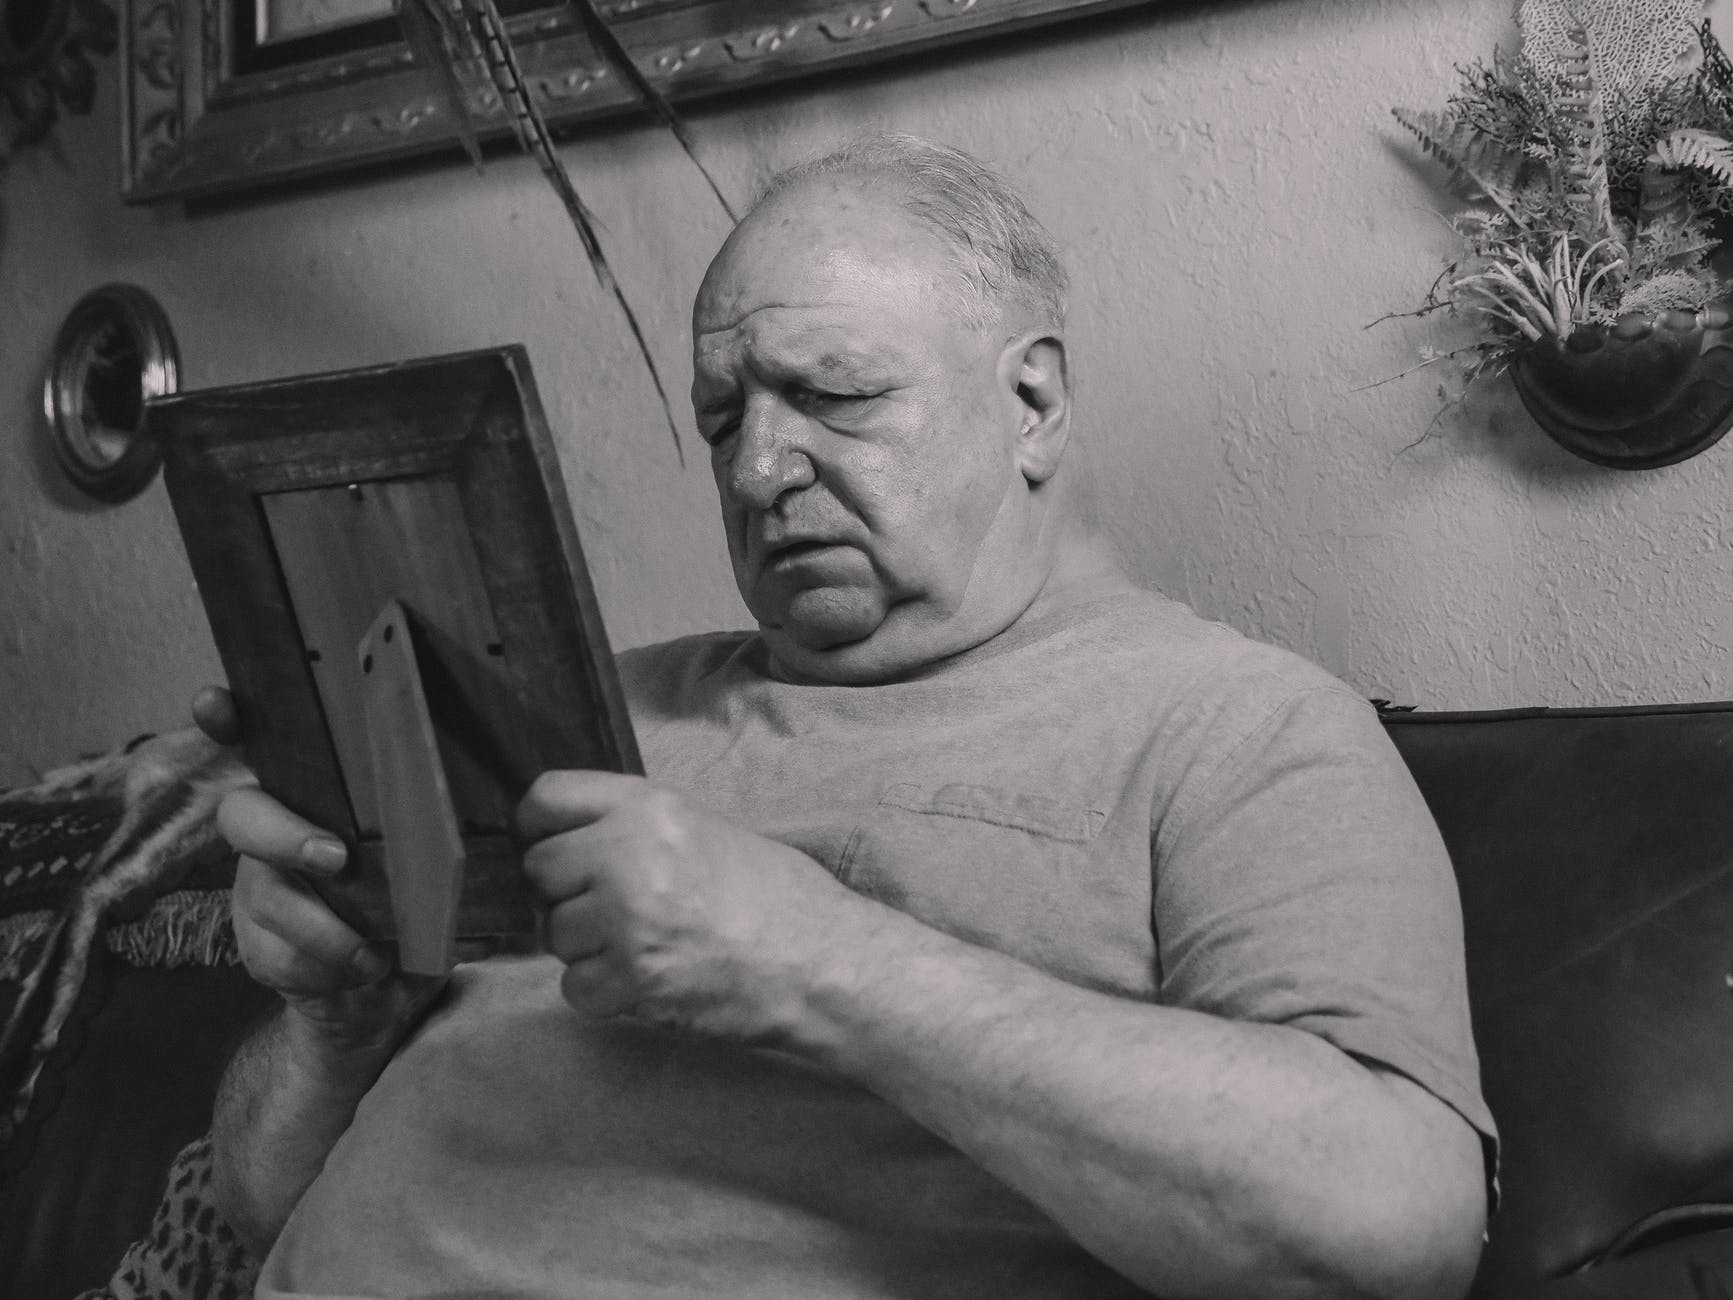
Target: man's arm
[
  {"x": 291, "y": 1090},
  {"x": 285, "y": 1099},
  {"x": 1197, "y": 1155}
]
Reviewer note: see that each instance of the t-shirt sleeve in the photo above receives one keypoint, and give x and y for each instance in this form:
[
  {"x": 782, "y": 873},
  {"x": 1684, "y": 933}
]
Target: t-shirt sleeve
[{"x": 1300, "y": 880}]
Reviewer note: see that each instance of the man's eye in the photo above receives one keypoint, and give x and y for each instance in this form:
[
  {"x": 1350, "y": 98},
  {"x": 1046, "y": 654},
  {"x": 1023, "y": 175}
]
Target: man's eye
[
  {"x": 717, "y": 432},
  {"x": 824, "y": 402}
]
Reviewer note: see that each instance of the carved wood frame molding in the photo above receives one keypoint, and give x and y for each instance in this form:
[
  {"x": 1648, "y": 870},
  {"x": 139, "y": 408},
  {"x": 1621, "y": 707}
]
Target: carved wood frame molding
[{"x": 193, "y": 127}]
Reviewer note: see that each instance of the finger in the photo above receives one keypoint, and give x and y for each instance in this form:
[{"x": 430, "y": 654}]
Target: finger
[
  {"x": 259, "y": 827},
  {"x": 561, "y": 866},
  {"x": 285, "y": 908},
  {"x": 564, "y": 800},
  {"x": 580, "y": 928},
  {"x": 597, "y": 987},
  {"x": 214, "y": 712},
  {"x": 278, "y": 964}
]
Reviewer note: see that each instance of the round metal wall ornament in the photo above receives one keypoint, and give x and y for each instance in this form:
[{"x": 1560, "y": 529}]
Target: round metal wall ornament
[{"x": 113, "y": 353}]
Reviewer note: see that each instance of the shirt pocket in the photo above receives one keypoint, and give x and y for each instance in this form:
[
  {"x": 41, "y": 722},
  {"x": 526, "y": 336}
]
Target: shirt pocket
[
  {"x": 1024, "y": 874},
  {"x": 1036, "y": 814}
]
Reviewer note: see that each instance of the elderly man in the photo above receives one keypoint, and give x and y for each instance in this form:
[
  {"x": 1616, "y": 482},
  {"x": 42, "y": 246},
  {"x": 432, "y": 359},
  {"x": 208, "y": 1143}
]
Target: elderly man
[{"x": 988, "y": 927}]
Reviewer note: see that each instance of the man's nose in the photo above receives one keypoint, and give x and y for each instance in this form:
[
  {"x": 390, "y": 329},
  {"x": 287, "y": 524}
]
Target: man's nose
[{"x": 769, "y": 458}]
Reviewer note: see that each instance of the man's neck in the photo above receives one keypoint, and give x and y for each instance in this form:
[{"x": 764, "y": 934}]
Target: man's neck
[{"x": 1084, "y": 567}]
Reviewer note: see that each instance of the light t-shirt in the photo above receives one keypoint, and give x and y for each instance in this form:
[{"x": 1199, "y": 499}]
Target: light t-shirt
[{"x": 1116, "y": 792}]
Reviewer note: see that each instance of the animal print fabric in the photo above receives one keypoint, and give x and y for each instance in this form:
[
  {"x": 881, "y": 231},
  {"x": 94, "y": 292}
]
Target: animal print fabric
[{"x": 190, "y": 1253}]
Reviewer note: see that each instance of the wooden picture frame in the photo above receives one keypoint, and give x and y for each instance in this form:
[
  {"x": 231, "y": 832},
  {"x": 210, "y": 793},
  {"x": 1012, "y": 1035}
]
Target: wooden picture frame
[
  {"x": 211, "y": 104},
  {"x": 310, "y": 505}
]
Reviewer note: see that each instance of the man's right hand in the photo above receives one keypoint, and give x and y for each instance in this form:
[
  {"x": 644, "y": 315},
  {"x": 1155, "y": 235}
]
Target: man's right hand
[
  {"x": 291, "y": 1089},
  {"x": 332, "y": 982}
]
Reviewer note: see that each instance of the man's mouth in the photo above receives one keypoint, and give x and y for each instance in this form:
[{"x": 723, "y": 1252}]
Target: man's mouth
[{"x": 792, "y": 552}]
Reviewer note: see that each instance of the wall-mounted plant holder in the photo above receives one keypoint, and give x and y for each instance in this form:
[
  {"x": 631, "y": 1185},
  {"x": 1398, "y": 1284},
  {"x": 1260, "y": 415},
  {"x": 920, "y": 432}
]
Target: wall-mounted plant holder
[
  {"x": 114, "y": 353},
  {"x": 44, "y": 63},
  {"x": 1643, "y": 392}
]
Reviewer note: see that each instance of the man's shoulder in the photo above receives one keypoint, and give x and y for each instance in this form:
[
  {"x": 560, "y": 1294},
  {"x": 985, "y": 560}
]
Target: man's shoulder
[
  {"x": 1205, "y": 696},
  {"x": 666, "y": 668},
  {"x": 1181, "y": 653}
]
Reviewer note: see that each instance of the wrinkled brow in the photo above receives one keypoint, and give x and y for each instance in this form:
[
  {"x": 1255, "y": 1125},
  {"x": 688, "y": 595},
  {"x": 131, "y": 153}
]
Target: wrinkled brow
[{"x": 790, "y": 358}]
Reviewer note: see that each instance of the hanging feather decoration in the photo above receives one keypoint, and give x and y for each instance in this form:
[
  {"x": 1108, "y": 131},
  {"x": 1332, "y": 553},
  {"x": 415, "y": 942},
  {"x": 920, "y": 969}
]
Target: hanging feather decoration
[
  {"x": 434, "y": 35},
  {"x": 444, "y": 35},
  {"x": 617, "y": 54}
]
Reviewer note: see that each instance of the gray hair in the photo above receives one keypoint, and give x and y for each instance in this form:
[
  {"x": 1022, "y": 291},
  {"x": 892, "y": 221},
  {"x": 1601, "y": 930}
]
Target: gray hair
[{"x": 1005, "y": 256}]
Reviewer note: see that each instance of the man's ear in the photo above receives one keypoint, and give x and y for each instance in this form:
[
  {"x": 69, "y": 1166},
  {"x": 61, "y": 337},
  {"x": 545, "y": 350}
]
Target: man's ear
[{"x": 1034, "y": 365}]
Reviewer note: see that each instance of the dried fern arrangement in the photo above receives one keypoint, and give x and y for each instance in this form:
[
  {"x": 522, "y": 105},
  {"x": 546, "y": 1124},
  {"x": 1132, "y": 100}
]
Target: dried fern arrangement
[{"x": 1598, "y": 160}]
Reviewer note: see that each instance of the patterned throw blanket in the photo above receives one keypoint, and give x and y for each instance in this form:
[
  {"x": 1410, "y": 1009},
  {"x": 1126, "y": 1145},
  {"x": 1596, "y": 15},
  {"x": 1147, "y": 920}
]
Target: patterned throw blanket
[{"x": 120, "y": 850}]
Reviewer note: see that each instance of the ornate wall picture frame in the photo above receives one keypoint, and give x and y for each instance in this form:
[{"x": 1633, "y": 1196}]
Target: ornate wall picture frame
[{"x": 214, "y": 101}]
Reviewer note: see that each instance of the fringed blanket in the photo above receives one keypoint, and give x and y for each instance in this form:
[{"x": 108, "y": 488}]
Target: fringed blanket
[{"x": 120, "y": 850}]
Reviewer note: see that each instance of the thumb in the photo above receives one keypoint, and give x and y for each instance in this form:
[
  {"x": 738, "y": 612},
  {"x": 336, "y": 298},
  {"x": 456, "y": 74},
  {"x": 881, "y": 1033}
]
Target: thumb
[{"x": 565, "y": 800}]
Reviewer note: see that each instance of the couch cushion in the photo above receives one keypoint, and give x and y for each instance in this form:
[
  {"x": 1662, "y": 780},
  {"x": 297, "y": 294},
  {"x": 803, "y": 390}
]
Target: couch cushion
[
  {"x": 1700, "y": 1268},
  {"x": 132, "y": 1084},
  {"x": 1594, "y": 850}
]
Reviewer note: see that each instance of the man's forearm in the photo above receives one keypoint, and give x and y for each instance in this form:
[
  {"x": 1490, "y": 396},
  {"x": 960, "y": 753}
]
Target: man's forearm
[
  {"x": 285, "y": 1099},
  {"x": 1196, "y": 1155}
]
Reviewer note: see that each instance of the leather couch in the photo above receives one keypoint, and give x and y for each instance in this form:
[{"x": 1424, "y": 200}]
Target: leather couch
[
  {"x": 1594, "y": 849},
  {"x": 1594, "y": 852}
]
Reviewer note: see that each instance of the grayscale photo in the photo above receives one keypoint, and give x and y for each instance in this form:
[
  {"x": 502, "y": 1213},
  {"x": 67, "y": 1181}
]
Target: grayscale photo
[{"x": 866, "y": 650}]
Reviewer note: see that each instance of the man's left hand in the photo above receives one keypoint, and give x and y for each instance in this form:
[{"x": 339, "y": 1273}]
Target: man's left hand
[{"x": 667, "y": 911}]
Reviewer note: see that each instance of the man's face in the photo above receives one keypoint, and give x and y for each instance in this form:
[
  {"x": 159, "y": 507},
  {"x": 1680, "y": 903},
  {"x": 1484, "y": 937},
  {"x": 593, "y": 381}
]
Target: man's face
[{"x": 863, "y": 439}]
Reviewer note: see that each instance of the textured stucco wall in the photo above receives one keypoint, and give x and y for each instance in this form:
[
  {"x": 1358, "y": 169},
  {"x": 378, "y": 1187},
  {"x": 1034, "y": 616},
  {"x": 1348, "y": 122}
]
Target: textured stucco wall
[{"x": 1237, "y": 205}]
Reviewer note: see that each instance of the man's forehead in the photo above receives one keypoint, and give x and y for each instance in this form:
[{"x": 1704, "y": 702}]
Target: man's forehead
[
  {"x": 817, "y": 339},
  {"x": 821, "y": 246},
  {"x": 826, "y": 294}
]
